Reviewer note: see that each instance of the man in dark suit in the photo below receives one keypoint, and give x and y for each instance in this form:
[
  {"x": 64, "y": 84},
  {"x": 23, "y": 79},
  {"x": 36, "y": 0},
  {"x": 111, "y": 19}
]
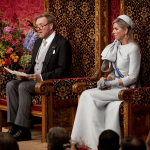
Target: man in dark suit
[{"x": 51, "y": 59}]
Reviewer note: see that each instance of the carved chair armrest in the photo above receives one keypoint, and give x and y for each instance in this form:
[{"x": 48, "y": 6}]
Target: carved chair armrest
[
  {"x": 125, "y": 94},
  {"x": 137, "y": 96},
  {"x": 78, "y": 88},
  {"x": 42, "y": 86}
]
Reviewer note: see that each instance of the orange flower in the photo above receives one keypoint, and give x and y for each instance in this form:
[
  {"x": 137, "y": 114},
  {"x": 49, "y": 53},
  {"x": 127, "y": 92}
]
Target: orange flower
[
  {"x": 17, "y": 57},
  {"x": 15, "y": 60},
  {"x": 13, "y": 57}
]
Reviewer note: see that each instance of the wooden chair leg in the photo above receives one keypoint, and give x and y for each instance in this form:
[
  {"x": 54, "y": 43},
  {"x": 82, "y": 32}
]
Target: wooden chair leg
[
  {"x": 127, "y": 118},
  {"x": 44, "y": 114},
  {"x": 50, "y": 110},
  {"x": 0, "y": 121},
  {"x": 43, "y": 119}
]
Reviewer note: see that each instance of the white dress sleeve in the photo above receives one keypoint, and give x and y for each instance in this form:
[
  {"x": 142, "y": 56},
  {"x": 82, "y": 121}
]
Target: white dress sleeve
[{"x": 134, "y": 66}]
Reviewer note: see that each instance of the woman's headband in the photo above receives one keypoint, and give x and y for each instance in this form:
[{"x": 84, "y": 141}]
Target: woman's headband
[{"x": 127, "y": 20}]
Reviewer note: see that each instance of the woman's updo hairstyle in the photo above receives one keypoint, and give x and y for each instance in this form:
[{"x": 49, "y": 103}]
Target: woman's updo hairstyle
[{"x": 122, "y": 24}]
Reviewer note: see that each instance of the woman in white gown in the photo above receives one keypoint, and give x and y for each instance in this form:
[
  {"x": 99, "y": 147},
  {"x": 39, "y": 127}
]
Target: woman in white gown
[{"x": 98, "y": 108}]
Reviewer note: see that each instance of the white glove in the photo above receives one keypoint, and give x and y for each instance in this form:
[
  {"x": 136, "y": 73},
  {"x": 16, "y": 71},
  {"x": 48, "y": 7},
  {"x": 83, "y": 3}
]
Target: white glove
[
  {"x": 112, "y": 83},
  {"x": 101, "y": 83}
]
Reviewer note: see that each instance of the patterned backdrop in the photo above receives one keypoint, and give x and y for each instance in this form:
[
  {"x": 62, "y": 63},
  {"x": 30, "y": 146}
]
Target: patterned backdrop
[
  {"x": 75, "y": 21},
  {"x": 139, "y": 11}
]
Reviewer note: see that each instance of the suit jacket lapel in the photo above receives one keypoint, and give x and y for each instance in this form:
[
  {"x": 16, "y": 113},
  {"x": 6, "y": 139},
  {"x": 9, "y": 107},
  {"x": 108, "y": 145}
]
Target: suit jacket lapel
[{"x": 50, "y": 52}]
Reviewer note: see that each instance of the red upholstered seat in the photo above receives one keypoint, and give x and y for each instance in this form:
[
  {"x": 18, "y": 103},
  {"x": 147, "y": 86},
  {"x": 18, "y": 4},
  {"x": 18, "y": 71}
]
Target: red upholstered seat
[
  {"x": 3, "y": 101},
  {"x": 35, "y": 107}
]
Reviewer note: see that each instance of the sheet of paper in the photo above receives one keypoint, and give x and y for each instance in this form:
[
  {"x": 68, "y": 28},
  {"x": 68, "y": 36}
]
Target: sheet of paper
[{"x": 16, "y": 72}]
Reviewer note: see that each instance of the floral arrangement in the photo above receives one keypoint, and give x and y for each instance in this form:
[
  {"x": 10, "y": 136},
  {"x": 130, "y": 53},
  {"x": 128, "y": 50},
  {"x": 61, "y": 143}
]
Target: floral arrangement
[
  {"x": 11, "y": 41},
  {"x": 15, "y": 49},
  {"x": 28, "y": 46}
]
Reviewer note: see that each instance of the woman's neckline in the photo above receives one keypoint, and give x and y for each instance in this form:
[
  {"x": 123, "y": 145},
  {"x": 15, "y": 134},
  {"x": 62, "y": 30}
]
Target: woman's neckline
[{"x": 127, "y": 43}]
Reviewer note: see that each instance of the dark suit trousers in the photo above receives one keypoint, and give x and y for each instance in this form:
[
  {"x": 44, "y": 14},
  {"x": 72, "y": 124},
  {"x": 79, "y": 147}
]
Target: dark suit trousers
[{"x": 19, "y": 101}]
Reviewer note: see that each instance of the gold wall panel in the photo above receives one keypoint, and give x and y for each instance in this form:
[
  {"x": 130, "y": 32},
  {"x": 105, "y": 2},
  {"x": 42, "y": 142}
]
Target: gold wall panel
[
  {"x": 139, "y": 11},
  {"x": 76, "y": 22}
]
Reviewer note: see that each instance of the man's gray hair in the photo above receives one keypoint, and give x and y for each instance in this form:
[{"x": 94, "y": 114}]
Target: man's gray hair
[{"x": 50, "y": 18}]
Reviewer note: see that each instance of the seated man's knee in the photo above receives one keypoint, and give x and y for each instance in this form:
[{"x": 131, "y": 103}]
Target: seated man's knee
[
  {"x": 26, "y": 86},
  {"x": 23, "y": 86},
  {"x": 10, "y": 84}
]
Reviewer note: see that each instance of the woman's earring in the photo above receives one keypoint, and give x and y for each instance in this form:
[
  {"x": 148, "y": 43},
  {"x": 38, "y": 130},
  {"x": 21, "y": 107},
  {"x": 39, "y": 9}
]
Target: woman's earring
[{"x": 125, "y": 37}]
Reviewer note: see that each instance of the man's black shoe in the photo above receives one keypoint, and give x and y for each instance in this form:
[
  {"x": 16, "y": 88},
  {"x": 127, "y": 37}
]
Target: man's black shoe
[
  {"x": 12, "y": 131},
  {"x": 23, "y": 135}
]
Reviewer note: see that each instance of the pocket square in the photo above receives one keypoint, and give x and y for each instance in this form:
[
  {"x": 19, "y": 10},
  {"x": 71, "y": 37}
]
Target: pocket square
[{"x": 53, "y": 51}]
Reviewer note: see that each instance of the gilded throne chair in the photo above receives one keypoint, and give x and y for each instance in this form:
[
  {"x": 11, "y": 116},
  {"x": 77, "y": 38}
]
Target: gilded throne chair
[{"x": 134, "y": 110}]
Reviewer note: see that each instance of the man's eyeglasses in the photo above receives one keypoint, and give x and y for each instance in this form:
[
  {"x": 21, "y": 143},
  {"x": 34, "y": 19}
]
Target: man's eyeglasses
[{"x": 41, "y": 27}]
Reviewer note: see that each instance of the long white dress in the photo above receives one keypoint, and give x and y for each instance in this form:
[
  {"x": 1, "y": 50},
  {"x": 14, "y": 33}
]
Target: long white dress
[{"x": 98, "y": 110}]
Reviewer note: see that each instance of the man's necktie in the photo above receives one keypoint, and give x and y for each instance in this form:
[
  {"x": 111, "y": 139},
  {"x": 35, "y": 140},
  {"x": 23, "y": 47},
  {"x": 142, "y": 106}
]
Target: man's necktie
[{"x": 42, "y": 49}]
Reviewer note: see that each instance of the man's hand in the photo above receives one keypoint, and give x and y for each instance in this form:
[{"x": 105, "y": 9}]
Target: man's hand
[
  {"x": 21, "y": 77},
  {"x": 34, "y": 77}
]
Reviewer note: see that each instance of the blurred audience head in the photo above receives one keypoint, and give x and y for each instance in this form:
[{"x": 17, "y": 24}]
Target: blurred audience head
[
  {"x": 8, "y": 142},
  {"x": 108, "y": 139},
  {"x": 57, "y": 137},
  {"x": 133, "y": 143}
]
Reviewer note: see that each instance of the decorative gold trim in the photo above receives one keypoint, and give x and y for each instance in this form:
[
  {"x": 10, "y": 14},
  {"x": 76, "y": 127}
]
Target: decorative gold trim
[
  {"x": 106, "y": 23},
  {"x": 101, "y": 30},
  {"x": 126, "y": 122},
  {"x": 122, "y": 7},
  {"x": 127, "y": 104},
  {"x": 98, "y": 37},
  {"x": 46, "y": 6}
]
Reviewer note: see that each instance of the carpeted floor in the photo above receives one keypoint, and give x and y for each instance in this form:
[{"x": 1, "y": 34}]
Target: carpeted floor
[{"x": 35, "y": 143}]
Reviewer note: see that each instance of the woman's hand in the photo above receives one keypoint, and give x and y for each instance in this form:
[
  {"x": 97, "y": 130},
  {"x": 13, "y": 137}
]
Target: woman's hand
[
  {"x": 103, "y": 77},
  {"x": 98, "y": 82},
  {"x": 101, "y": 83},
  {"x": 109, "y": 78},
  {"x": 120, "y": 82}
]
